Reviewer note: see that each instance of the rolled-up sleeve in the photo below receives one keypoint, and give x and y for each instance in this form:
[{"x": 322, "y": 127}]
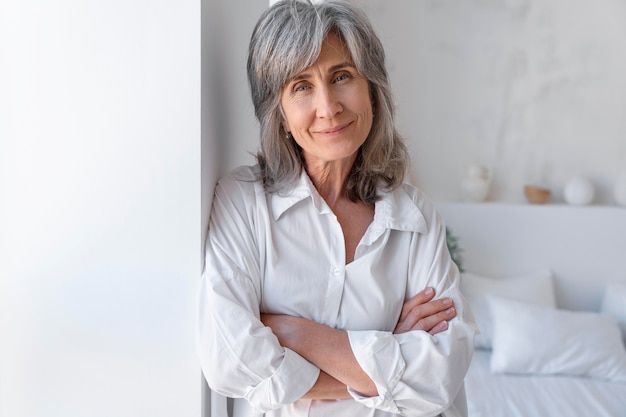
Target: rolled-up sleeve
[
  {"x": 416, "y": 373},
  {"x": 240, "y": 357}
]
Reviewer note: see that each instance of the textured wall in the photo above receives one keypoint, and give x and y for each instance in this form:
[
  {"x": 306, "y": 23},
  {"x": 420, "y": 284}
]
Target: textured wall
[{"x": 533, "y": 89}]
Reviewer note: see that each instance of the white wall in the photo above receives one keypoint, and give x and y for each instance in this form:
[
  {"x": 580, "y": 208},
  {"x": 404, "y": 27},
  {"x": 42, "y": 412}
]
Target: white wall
[
  {"x": 533, "y": 89},
  {"x": 100, "y": 219},
  {"x": 214, "y": 128}
]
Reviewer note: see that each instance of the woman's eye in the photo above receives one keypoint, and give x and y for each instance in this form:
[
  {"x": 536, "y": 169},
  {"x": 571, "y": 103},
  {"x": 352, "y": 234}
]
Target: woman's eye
[
  {"x": 342, "y": 77},
  {"x": 300, "y": 88}
]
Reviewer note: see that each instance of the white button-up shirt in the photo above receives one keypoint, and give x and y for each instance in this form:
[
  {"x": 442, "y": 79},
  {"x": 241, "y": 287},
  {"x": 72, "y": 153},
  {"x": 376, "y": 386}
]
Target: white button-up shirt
[{"x": 285, "y": 254}]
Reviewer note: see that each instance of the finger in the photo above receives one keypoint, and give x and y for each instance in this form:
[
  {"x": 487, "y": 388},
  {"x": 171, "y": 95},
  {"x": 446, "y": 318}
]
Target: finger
[
  {"x": 417, "y": 320},
  {"x": 425, "y": 310},
  {"x": 429, "y": 324},
  {"x": 441, "y": 327},
  {"x": 420, "y": 298},
  {"x": 415, "y": 323}
]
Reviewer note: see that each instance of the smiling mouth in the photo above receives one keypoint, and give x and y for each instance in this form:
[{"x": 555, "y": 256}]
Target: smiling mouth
[{"x": 335, "y": 130}]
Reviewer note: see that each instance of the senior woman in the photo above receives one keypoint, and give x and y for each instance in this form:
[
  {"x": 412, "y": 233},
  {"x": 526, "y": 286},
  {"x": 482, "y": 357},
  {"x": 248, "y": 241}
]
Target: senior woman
[{"x": 318, "y": 295}]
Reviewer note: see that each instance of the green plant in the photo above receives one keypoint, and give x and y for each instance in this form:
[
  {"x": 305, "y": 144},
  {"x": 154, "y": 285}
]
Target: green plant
[{"x": 454, "y": 249}]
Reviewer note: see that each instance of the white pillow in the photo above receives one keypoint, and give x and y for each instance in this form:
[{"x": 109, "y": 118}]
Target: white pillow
[
  {"x": 531, "y": 339},
  {"x": 614, "y": 304},
  {"x": 536, "y": 288}
]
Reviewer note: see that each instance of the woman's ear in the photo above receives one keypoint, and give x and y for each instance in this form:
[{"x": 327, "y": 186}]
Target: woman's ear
[{"x": 286, "y": 126}]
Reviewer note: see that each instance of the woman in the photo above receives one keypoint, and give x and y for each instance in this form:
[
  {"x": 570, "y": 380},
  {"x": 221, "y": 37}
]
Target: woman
[{"x": 313, "y": 255}]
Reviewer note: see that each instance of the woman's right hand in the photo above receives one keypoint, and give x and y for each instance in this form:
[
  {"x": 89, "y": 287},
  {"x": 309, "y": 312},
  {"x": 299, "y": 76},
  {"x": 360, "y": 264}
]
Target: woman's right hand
[{"x": 421, "y": 312}]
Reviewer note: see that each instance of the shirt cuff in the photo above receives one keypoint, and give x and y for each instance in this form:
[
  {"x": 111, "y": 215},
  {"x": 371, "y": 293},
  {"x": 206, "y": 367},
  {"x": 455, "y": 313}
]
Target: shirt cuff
[
  {"x": 385, "y": 369},
  {"x": 294, "y": 377}
]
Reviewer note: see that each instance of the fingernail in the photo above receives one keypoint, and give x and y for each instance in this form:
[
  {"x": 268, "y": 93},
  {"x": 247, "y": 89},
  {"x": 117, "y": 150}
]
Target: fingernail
[
  {"x": 428, "y": 291},
  {"x": 450, "y": 311},
  {"x": 447, "y": 301}
]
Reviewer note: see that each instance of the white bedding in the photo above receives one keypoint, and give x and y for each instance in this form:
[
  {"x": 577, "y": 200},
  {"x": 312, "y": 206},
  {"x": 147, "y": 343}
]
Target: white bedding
[
  {"x": 500, "y": 395},
  {"x": 583, "y": 247}
]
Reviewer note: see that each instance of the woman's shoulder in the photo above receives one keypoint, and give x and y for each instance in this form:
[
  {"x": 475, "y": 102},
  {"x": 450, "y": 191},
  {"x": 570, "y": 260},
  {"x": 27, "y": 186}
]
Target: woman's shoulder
[
  {"x": 419, "y": 197},
  {"x": 243, "y": 173},
  {"x": 245, "y": 177},
  {"x": 242, "y": 186},
  {"x": 426, "y": 207}
]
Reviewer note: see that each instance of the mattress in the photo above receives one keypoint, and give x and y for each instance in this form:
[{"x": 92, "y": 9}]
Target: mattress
[{"x": 505, "y": 395}]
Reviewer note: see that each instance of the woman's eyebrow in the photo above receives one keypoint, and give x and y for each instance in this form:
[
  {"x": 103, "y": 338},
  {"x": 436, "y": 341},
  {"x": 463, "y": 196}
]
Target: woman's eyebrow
[
  {"x": 340, "y": 66},
  {"x": 301, "y": 76}
]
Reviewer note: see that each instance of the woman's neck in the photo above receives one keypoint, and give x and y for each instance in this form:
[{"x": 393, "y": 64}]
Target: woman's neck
[{"x": 329, "y": 179}]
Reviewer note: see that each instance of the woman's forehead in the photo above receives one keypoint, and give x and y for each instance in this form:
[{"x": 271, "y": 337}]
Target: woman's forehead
[{"x": 333, "y": 54}]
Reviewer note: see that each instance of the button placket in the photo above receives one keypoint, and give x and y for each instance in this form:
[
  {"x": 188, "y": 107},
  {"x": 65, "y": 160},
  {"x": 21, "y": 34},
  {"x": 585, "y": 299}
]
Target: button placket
[{"x": 336, "y": 274}]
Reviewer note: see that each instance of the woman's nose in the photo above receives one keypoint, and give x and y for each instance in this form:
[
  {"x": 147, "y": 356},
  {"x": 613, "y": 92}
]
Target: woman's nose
[{"x": 328, "y": 104}]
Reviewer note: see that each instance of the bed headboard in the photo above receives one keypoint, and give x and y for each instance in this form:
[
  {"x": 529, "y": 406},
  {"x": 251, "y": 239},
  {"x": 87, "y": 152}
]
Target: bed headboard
[{"x": 584, "y": 246}]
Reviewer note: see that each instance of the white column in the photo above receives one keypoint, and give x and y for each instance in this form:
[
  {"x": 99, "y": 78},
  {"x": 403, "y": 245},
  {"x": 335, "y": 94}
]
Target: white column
[{"x": 100, "y": 236}]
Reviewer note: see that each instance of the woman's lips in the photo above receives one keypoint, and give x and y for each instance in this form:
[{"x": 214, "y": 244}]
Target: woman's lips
[{"x": 335, "y": 130}]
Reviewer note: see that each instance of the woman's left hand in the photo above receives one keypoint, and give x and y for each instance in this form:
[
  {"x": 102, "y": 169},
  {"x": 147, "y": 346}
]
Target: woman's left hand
[{"x": 421, "y": 312}]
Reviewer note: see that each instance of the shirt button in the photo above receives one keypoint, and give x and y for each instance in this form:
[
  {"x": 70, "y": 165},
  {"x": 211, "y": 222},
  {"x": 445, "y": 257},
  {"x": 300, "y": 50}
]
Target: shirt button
[{"x": 336, "y": 271}]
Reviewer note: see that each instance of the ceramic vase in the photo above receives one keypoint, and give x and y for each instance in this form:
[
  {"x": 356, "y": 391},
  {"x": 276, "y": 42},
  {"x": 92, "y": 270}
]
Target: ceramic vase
[
  {"x": 475, "y": 185},
  {"x": 579, "y": 191}
]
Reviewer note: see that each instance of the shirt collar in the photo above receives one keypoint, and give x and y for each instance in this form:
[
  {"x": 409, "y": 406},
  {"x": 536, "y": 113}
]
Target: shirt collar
[
  {"x": 395, "y": 209},
  {"x": 303, "y": 189}
]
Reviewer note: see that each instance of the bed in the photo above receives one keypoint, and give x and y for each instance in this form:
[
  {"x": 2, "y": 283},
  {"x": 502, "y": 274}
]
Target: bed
[{"x": 547, "y": 285}]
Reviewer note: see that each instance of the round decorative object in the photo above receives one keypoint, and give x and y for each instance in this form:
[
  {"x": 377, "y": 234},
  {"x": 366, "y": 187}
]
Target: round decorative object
[
  {"x": 620, "y": 189},
  {"x": 475, "y": 185},
  {"x": 579, "y": 192},
  {"x": 536, "y": 195}
]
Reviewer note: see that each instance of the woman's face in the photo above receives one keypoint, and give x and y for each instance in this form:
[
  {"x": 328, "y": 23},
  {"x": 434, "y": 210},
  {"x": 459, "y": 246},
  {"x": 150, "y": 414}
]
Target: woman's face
[{"x": 328, "y": 106}]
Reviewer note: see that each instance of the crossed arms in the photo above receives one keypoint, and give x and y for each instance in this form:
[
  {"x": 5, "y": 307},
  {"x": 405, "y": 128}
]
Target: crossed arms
[{"x": 329, "y": 349}]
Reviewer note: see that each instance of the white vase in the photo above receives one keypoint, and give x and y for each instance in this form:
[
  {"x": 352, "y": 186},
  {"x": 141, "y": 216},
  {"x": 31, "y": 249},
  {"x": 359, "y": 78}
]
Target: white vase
[
  {"x": 619, "y": 192},
  {"x": 579, "y": 192},
  {"x": 475, "y": 185}
]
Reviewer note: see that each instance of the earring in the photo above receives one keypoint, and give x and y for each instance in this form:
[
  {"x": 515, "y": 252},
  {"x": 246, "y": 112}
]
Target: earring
[{"x": 287, "y": 135}]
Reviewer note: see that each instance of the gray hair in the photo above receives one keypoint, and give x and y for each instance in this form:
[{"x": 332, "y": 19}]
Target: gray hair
[{"x": 288, "y": 39}]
